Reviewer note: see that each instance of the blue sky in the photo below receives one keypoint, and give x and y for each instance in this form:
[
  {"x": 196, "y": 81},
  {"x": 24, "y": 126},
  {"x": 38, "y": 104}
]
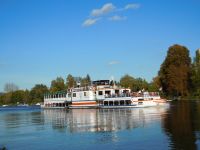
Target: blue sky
[{"x": 43, "y": 39}]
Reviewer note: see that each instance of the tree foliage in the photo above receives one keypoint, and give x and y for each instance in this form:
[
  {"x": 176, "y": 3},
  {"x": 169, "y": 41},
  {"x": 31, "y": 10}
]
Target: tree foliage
[
  {"x": 127, "y": 81},
  {"x": 175, "y": 71},
  {"x": 57, "y": 85},
  {"x": 196, "y": 75},
  {"x": 70, "y": 81},
  {"x": 154, "y": 85},
  {"x": 37, "y": 93},
  {"x": 86, "y": 81},
  {"x": 135, "y": 84}
]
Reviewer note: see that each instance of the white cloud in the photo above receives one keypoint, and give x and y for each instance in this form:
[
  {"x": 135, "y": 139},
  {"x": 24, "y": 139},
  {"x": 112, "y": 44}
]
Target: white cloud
[
  {"x": 89, "y": 22},
  {"x": 132, "y": 6},
  {"x": 106, "y": 8},
  {"x": 113, "y": 62},
  {"x": 109, "y": 11},
  {"x": 117, "y": 18}
]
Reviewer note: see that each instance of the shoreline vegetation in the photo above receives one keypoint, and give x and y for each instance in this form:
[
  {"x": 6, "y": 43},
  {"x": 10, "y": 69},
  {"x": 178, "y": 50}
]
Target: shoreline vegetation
[{"x": 177, "y": 79}]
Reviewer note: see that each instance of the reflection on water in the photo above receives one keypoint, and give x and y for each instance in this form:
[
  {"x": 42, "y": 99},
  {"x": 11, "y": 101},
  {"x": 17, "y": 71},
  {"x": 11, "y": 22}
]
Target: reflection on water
[
  {"x": 173, "y": 127},
  {"x": 100, "y": 120},
  {"x": 182, "y": 125}
]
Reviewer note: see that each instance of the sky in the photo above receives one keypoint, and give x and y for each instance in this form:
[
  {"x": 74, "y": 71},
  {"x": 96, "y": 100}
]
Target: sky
[{"x": 44, "y": 39}]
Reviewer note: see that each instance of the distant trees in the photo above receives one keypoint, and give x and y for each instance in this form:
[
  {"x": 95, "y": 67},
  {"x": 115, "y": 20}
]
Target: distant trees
[
  {"x": 135, "y": 84},
  {"x": 6, "y": 98},
  {"x": 73, "y": 81},
  {"x": 86, "y": 81},
  {"x": 154, "y": 85},
  {"x": 175, "y": 71},
  {"x": 18, "y": 97},
  {"x": 58, "y": 85},
  {"x": 70, "y": 81},
  {"x": 37, "y": 93},
  {"x": 10, "y": 87}
]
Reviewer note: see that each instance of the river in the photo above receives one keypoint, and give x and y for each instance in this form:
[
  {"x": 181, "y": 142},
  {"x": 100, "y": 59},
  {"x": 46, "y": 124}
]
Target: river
[{"x": 176, "y": 126}]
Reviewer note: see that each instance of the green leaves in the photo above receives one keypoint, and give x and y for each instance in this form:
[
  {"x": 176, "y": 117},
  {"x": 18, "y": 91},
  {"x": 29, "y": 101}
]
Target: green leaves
[
  {"x": 135, "y": 84},
  {"x": 175, "y": 71},
  {"x": 58, "y": 85}
]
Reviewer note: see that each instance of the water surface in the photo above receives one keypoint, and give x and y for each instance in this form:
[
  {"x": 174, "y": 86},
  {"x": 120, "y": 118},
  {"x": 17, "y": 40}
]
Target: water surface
[{"x": 174, "y": 127}]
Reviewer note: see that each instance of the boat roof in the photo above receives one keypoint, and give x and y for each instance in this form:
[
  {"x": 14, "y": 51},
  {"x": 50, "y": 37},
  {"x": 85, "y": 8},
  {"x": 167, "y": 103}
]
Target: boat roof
[{"x": 101, "y": 82}]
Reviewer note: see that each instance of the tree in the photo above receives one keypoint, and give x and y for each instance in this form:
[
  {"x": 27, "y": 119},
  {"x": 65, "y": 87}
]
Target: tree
[
  {"x": 175, "y": 71},
  {"x": 10, "y": 87},
  {"x": 70, "y": 81},
  {"x": 196, "y": 75},
  {"x": 37, "y": 93},
  {"x": 57, "y": 85},
  {"x": 139, "y": 84},
  {"x": 18, "y": 97},
  {"x": 127, "y": 81},
  {"x": 86, "y": 81},
  {"x": 135, "y": 84},
  {"x": 6, "y": 98},
  {"x": 154, "y": 85}
]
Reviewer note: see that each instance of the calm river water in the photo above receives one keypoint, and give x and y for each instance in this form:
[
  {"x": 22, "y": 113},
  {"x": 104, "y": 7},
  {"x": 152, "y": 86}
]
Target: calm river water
[{"x": 174, "y": 127}]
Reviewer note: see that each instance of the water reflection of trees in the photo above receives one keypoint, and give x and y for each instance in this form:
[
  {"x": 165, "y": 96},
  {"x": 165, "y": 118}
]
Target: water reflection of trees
[
  {"x": 182, "y": 125},
  {"x": 20, "y": 119},
  {"x": 101, "y": 120}
]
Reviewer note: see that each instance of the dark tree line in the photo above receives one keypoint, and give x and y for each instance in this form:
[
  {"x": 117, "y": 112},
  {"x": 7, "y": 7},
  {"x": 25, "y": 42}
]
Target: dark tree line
[{"x": 178, "y": 77}]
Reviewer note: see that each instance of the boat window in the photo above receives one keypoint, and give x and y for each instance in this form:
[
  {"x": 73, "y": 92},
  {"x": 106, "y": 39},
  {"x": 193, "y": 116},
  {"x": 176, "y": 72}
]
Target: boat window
[
  {"x": 85, "y": 93},
  {"x": 111, "y": 103},
  {"x": 74, "y": 94},
  {"x": 106, "y": 103},
  {"x": 116, "y": 103},
  {"x": 100, "y": 92},
  {"x": 69, "y": 95}
]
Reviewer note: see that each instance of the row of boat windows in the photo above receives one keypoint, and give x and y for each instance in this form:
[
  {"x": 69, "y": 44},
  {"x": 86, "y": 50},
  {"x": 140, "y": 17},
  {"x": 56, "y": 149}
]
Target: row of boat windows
[
  {"x": 69, "y": 95},
  {"x": 55, "y": 96},
  {"x": 100, "y": 93},
  {"x": 116, "y": 103}
]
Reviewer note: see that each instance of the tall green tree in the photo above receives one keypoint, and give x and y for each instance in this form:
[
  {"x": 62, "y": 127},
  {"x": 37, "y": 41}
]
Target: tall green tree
[
  {"x": 127, "y": 81},
  {"x": 175, "y": 71},
  {"x": 139, "y": 84},
  {"x": 18, "y": 97},
  {"x": 37, "y": 93},
  {"x": 70, "y": 81},
  {"x": 135, "y": 84},
  {"x": 6, "y": 98},
  {"x": 196, "y": 75},
  {"x": 57, "y": 85}
]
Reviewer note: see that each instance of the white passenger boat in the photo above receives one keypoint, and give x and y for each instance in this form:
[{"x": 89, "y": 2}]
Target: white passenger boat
[{"x": 101, "y": 95}]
